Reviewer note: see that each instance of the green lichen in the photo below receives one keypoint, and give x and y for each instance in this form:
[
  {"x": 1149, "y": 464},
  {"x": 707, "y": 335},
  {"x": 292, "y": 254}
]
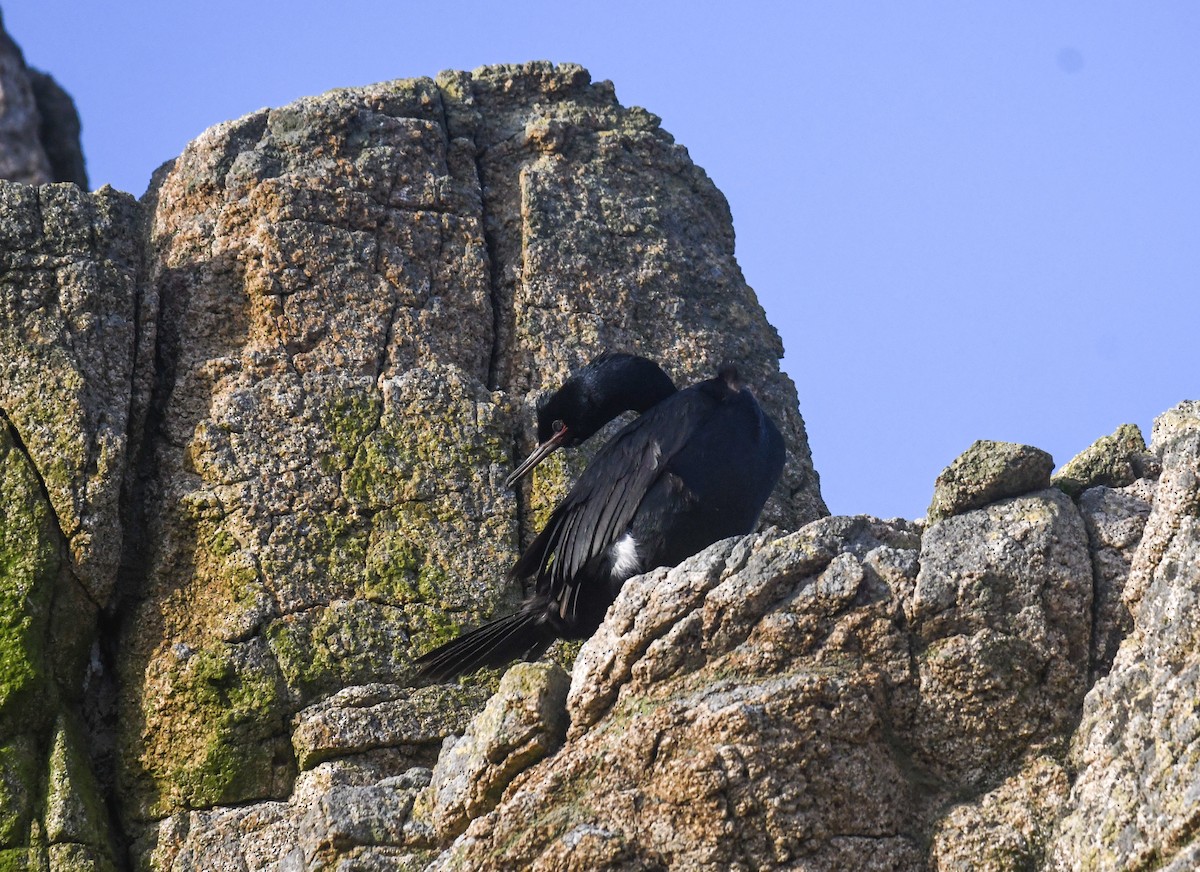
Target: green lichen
[
  {"x": 14, "y": 860},
  {"x": 18, "y": 773},
  {"x": 393, "y": 570},
  {"x": 349, "y": 418},
  {"x": 232, "y": 711},
  {"x": 345, "y": 643},
  {"x": 383, "y": 471},
  {"x": 437, "y": 627},
  {"x": 339, "y": 547},
  {"x": 29, "y": 561}
]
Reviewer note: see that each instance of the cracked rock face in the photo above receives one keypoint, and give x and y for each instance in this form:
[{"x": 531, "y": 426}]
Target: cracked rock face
[
  {"x": 352, "y": 290},
  {"x": 817, "y": 700},
  {"x": 1137, "y": 750},
  {"x": 871, "y": 695},
  {"x": 253, "y": 437},
  {"x": 69, "y": 395},
  {"x": 259, "y": 425}
]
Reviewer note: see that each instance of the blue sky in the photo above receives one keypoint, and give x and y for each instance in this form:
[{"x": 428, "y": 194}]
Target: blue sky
[{"x": 967, "y": 220}]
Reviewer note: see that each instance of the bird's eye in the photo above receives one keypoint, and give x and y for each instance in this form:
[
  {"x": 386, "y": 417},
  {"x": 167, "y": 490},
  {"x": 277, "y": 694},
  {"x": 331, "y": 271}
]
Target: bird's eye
[{"x": 557, "y": 425}]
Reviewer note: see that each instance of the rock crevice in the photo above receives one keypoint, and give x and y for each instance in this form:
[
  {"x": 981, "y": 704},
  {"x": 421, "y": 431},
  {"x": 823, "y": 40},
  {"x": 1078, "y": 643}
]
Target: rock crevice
[{"x": 256, "y": 433}]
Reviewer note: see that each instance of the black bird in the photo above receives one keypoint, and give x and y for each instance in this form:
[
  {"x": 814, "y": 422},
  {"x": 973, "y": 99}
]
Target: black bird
[{"x": 696, "y": 467}]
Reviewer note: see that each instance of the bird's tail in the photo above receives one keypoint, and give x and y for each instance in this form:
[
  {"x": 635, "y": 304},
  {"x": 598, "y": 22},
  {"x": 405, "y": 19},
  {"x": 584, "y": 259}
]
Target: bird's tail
[{"x": 524, "y": 635}]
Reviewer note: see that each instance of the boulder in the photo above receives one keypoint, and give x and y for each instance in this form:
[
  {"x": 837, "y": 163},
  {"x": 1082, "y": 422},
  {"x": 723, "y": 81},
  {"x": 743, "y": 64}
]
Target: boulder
[{"x": 986, "y": 472}]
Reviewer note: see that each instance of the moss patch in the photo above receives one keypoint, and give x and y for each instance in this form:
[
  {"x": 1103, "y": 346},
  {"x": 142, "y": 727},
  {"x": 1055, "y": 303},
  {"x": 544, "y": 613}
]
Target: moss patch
[
  {"x": 345, "y": 643},
  {"x": 29, "y": 562},
  {"x": 220, "y": 713},
  {"x": 18, "y": 773}
]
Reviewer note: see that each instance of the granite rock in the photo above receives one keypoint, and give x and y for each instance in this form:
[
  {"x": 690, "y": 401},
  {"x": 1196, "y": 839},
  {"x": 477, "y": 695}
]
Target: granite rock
[
  {"x": 1002, "y": 619},
  {"x": 523, "y": 722},
  {"x": 1115, "y": 519},
  {"x": 1133, "y": 803},
  {"x": 986, "y": 472},
  {"x": 1112, "y": 461},
  {"x": 253, "y": 437},
  {"x": 347, "y": 356}
]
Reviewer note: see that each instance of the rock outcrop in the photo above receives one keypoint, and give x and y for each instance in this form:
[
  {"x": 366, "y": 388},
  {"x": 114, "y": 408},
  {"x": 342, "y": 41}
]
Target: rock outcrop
[
  {"x": 261, "y": 422},
  {"x": 863, "y": 694},
  {"x": 253, "y": 437},
  {"x": 39, "y": 127}
]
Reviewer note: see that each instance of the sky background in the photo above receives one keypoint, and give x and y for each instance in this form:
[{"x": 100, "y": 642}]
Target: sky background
[{"x": 966, "y": 220}]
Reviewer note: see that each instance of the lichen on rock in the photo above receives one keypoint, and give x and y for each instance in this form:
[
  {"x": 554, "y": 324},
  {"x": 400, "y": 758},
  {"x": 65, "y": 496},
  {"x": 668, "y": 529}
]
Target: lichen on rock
[
  {"x": 1112, "y": 461},
  {"x": 986, "y": 472},
  {"x": 253, "y": 438}
]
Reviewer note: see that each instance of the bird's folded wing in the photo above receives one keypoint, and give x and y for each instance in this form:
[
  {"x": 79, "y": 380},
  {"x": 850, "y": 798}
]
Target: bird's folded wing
[{"x": 599, "y": 509}]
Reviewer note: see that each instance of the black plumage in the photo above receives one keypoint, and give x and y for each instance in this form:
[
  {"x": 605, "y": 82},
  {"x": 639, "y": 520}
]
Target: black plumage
[{"x": 695, "y": 467}]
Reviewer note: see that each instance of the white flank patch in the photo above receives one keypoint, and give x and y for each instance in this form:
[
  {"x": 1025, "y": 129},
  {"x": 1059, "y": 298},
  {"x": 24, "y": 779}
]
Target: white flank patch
[{"x": 624, "y": 554}]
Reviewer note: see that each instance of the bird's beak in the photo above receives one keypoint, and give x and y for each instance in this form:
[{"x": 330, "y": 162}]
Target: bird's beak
[{"x": 537, "y": 456}]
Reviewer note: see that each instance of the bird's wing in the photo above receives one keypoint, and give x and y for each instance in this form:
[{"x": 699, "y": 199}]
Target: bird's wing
[{"x": 599, "y": 509}]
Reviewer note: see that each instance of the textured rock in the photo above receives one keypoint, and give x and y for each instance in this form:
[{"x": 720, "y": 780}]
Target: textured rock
[
  {"x": 1008, "y": 828},
  {"x": 986, "y": 472},
  {"x": 741, "y": 722},
  {"x": 1134, "y": 803},
  {"x": 357, "y": 721},
  {"x": 677, "y": 771},
  {"x": 336, "y": 815},
  {"x": 69, "y": 266},
  {"x": 1002, "y": 616},
  {"x": 521, "y": 724},
  {"x": 341, "y": 338},
  {"x": 69, "y": 346},
  {"x": 1115, "y": 519},
  {"x": 253, "y": 434},
  {"x": 852, "y": 695},
  {"x": 1112, "y": 461}
]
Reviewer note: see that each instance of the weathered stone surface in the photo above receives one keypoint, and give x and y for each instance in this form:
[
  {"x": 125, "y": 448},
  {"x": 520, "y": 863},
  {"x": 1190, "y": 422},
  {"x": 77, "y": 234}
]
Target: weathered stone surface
[
  {"x": 260, "y": 423},
  {"x": 359, "y": 720},
  {"x": 69, "y": 312},
  {"x": 986, "y": 472},
  {"x": 1111, "y": 461},
  {"x": 343, "y": 328},
  {"x": 521, "y": 724},
  {"x": 1135, "y": 801},
  {"x": 76, "y": 814},
  {"x": 1002, "y": 619},
  {"x": 741, "y": 724},
  {"x": 1006, "y": 829},
  {"x": 48, "y": 793},
  {"x": 328, "y": 473},
  {"x": 852, "y": 695},
  {"x": 1115, "y": 519},
  {"x": 338, "y": 817}
]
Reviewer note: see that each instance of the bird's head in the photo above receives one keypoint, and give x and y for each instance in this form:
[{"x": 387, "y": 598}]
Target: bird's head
[{"x": 610, "y": 384}]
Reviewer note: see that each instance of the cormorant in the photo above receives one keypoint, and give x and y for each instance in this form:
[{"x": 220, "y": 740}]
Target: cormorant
[{"x": 695, "y": 467}]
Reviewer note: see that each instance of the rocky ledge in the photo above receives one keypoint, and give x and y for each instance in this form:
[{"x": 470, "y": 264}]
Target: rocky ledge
[
  {"x": 253, "y": 436},
  {"x": 1011, "y": 686}
]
